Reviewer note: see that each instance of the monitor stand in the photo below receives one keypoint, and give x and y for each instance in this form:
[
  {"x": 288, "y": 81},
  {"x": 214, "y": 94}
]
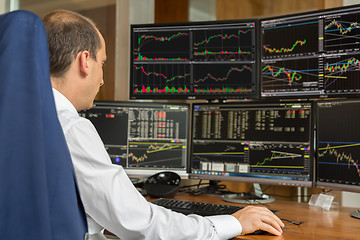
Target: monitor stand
[
  {"x": 355, "y": 214},
  {"x": 212, "y": 188},
  {"x": 249, "y": 198}
]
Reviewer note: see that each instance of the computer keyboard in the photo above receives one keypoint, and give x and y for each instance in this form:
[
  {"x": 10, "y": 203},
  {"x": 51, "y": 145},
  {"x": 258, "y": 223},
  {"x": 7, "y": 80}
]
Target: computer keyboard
[{"x": 199, "y": 208}]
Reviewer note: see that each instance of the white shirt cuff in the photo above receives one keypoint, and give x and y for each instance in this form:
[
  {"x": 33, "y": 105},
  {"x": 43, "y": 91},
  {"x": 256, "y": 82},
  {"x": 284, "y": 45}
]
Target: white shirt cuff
[{"x": 226, "y": 226}]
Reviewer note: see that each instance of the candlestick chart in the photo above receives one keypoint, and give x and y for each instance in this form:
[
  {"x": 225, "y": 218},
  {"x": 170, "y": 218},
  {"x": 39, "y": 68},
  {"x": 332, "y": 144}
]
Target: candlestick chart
[
  {"x": 297, "y": 44},
  {"x": 342, "y": 73},
  {"x": 290, "y": 75},
  {"x": 290, "y": 39},
  {"x": 223, "y": 44},
  {"x": 161, "y": 78},
  {"x": 206, "y": 60},
  {"x": 342, "y": 33},
  {"x": 340, "y": 157},
  {"x": 161, "y": 46},
  {"x": 223, "y": 78}
]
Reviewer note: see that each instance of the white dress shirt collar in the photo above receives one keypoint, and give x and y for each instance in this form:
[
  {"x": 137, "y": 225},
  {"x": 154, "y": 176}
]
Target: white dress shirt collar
[{"x": 62, "y": 102}]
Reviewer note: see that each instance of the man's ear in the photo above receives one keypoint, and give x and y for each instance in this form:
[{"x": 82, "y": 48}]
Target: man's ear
[{"x": 84, "y": 62}]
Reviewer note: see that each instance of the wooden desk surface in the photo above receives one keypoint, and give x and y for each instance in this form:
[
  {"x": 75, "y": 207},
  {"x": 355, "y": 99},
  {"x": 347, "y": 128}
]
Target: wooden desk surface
[{"x": 318, "y": 224}]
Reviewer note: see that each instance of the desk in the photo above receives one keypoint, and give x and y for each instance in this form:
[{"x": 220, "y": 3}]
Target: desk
[{"x": 318, "y": 224}]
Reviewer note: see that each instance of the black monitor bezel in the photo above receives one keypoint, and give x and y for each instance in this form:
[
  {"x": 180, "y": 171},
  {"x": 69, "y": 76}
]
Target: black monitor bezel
[{"x": 192, "y": 96}]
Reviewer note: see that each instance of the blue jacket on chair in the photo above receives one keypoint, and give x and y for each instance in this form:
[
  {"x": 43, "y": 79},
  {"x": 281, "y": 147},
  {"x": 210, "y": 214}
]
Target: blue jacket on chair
[{"x": 39, "y": 197}]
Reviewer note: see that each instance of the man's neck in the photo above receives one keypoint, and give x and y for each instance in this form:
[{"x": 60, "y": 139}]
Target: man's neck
[{"x": 60, "y": 85}]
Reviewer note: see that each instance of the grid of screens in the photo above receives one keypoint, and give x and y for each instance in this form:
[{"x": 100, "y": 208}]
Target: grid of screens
[
  {"x": 207, "y": 60},
  {"x": 300, "y": 56},
  {"x": 253, "y": 142},
  {"x": 338, "y": 147},
  {"x": 311, "y": 54},
  {"x": 144, "y": 138}
]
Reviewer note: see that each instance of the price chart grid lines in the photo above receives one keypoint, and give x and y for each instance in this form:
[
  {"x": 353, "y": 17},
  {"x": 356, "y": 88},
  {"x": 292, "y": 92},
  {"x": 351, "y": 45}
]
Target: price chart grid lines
[
  {"x": 143, "y": 153},
  {"x": 224, "y": 44},
  {"x": 166, "y": 78},
  {"x": 290, "y": 39},
  {"x": 342, "y": 34},
  {"x": 340, "y": 154},
  {"x": 279, "y": 76},
  {"x": 162, "y": 46},
  {"x": 218, "y": 152},
  {"x": 278, "y": 160},
  {"x": 223, "y": 78},
  {"x": 342, "y": 72}
]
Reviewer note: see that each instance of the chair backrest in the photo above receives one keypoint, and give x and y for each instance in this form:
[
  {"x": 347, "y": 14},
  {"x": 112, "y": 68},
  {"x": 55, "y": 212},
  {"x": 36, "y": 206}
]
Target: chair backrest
[{"x": 39, "y": 196}]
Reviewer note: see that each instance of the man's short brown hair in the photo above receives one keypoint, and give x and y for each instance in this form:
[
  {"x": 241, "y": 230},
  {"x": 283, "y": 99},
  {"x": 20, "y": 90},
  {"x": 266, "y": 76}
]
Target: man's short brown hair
[{"x": 68, "y": 34}]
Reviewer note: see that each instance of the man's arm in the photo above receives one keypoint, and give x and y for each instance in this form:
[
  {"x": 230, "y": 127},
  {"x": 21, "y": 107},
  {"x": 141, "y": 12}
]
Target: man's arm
[{"x": 113, "y": 202}]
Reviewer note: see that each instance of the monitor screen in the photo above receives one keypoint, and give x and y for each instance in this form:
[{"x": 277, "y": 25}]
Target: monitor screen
[
  {"x": 253, "y": 142},
  {"x": 144, "y": 138},
  {"x": 314, "y": 54},
  {"x": 202, "y": 60},
  {"x": 338, "y": 147}
]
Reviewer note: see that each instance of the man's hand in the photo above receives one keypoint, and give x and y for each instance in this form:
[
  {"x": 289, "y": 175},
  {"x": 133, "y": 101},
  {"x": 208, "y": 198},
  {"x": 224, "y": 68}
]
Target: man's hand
[{"x": 258, "y": 218}]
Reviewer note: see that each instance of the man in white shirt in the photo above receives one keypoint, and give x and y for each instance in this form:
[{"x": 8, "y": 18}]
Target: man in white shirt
[{"x": 77, "y": 55}]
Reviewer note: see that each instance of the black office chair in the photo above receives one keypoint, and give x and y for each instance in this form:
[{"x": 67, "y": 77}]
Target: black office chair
[{"x": 39, "y": 197}]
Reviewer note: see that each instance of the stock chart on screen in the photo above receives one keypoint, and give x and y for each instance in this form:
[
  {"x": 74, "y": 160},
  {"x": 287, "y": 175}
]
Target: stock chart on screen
[
  {"x": 263, "y": 142},
  {"x": 338, "y": 150},
  {"x": 204, "y": 60},
  {"x": 144, "y": 138},
  {"x": 312, "y": 54}
]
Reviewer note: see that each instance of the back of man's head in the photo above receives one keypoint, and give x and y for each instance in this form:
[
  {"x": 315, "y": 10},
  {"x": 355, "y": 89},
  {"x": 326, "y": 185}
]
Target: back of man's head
[{"x": 68, "y": 34}]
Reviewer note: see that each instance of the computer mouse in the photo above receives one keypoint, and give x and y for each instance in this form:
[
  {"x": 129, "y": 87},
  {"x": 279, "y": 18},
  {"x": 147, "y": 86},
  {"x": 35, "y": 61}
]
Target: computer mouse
[
  {"x": 162, "y": 184},
  {"x": 259, "y": 232},
  {"x": 355, "y": 214}
]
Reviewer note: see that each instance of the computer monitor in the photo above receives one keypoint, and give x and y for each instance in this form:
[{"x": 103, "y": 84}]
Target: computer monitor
[
  {"x": 198, "y": 60},
  {"x": 145, "y": 138},
  {"x": 311, "y": 55},
  {"x": 256, "y": 142},
  {"x": 338, "y": 147}
]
